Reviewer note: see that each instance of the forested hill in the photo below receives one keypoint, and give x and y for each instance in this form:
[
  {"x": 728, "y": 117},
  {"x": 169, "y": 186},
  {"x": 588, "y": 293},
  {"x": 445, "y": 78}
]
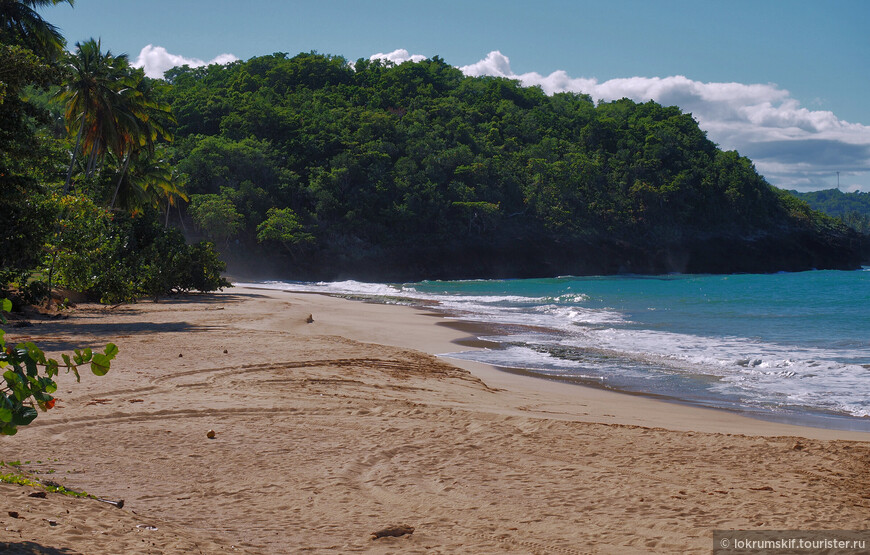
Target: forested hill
[
  {"x": 414, "y": 171},
  {"x": 852, "y": 208}
]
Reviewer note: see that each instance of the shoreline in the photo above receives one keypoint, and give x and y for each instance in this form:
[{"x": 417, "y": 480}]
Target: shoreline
[
  {"x": 330, "y": 430},
  {"x": 833, "y": 421},
  {"x": 708, "y": 419}
]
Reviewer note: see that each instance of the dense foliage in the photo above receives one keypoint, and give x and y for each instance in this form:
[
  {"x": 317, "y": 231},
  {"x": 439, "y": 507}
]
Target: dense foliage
[
  {"x": 87, "y": 185},
  {"x": 405, "y": 164},
  {"x": 852, "y": 208}
]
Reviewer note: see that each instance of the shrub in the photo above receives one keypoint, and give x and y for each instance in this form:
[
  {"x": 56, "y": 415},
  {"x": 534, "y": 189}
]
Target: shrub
[
  {"x": 137, "y": 256},
  {"x": 28, "y": 377}
]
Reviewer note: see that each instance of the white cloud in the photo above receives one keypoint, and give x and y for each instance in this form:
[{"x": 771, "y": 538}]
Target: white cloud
[
  {"x": 155, "y": 60},
  {"x": 794, "y": 147},
  {"x": 398, "y": 56}
]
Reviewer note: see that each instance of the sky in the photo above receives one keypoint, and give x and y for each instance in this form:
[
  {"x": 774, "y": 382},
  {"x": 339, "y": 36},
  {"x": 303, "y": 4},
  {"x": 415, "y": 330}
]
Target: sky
[{"x": 784, "y": 82}]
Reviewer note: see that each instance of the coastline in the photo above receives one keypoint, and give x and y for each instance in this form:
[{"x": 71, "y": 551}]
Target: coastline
[
  {"x": 607, "y": 405},
  {"x": 331, "y": 430}
]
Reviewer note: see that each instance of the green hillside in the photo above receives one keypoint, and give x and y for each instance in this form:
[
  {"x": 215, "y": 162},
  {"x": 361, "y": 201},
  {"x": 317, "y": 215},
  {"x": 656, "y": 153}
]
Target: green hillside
[
  {"x": 416, "y": 170},
  {"x": 852, "y": 208}
]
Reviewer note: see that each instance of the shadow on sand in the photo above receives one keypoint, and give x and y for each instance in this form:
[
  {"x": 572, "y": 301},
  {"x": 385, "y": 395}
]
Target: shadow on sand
[
  {"x": 52, "y": 335},
  {"x": 208, "y": 298},
  {"x": 31, "y": 548}
]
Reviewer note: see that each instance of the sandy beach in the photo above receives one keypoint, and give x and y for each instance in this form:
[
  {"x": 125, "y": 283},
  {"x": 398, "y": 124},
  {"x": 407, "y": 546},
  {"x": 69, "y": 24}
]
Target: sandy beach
[{"x": 328, "y": 431}]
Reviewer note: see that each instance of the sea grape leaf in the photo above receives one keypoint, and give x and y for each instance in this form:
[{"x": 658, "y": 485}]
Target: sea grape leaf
[
  {"x": 5, "y": 408},
  {"x": 30, "y": 364},
  {"x": 100, "y": 364},
  {"x": 24, "y": 416},
  {"x": 47, "y": 385},
  {"x": 35, "y": 352},
  {"x": 51, "y": 368}
]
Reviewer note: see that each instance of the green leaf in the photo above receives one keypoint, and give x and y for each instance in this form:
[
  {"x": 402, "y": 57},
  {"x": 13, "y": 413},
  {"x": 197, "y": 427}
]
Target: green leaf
[
  {"x": 24, "y": 416},
  {"x": 100, "y": 364},
  {"x": 5, "y": 408},
  {"x": 51, "y": 368},
  {"x": 35, "y": 352},
  {"x": 17, "y": 385},
  {"x": 111, "y": 350},
  {"x": 11, "y": 377},
  {"x": 30, "y": 364},
  {"x": 6, "y": 305},
  {"x": 47, "y": 385}
]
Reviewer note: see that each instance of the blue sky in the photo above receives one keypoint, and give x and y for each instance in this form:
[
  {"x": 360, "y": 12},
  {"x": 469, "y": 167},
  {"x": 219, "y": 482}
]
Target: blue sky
[{"x": 783, "y": 82}]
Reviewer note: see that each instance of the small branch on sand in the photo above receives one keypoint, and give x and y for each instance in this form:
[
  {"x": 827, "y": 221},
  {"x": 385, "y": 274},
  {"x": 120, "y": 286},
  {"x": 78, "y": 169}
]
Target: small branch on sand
[{"x": 393, "y": 531}]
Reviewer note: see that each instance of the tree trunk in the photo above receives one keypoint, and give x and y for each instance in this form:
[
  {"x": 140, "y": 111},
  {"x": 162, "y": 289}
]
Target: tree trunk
[
  {"x": 51, "y": 277},
  {"x": 181, "y": 219},
  {"x": 73, "y": 161},
  {"x": 120, "y": 179},
  {"x": 92, "y": 160}
]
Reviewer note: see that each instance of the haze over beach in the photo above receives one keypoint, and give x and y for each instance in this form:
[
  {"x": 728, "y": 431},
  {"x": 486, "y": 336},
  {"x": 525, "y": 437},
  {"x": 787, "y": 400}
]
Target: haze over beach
[{"x": 456, "y": 277}]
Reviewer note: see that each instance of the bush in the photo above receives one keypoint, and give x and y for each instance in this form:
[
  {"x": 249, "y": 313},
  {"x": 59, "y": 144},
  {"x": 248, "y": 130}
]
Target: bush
[
  {"x": 203, "y": 268},
  {"x": 135, "y": 257},
  {"x": 216, "y": 216},
  {"x": 28, "y": 377}
]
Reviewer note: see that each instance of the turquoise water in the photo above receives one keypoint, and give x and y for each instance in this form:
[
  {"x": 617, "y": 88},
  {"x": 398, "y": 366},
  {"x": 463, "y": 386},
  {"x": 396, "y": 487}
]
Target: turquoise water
[{"x": 790, "y": 346}]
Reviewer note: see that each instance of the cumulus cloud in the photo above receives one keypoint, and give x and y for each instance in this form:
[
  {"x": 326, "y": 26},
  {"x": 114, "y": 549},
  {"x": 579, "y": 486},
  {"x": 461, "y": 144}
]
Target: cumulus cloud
[
  {"x": 794, "y": 147},
  {"x": 155, "y": 60},
  {"x": 398, "y": 56}
]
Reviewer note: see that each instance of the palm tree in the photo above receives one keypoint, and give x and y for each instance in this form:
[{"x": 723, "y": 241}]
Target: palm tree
[
  {"x": 21, "y": 24},
  {"x": 150, "y": 123},
  {"x": 116, "y": 108},
  {"x": 150, "y": 181},
  {"x": 95, "y": 99},
  {"x": 175, "y": 196}
]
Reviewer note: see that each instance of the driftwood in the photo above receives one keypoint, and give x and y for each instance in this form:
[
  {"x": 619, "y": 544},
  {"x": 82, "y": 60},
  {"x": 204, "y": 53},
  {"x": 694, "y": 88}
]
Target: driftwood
[
  {"x": 393, "y": 531},
  {"x": 119, "y": 504}
]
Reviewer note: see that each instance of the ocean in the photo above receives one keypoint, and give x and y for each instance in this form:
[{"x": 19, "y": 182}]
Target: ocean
[{"x": 791, "y": 347}]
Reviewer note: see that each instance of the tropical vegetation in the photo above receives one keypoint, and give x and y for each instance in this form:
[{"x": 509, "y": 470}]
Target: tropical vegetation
[
  {"x": 416, "y": 171},
  {"x": 366, "y": 169},
  {"x": 28, "y": 377},
  {"x": 88, "y": 187},
  {"x": 852, "y": 208}
]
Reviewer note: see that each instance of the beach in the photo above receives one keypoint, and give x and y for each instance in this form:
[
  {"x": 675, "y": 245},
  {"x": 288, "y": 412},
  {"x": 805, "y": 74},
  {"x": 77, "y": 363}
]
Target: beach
[{"x": 330, "y": 430}]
